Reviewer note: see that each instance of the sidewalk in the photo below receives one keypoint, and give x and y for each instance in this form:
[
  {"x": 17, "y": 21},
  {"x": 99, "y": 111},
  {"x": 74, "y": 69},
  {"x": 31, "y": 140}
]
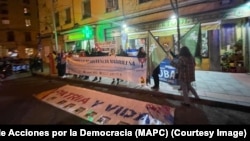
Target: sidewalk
[{"x": 228, "y": 88}]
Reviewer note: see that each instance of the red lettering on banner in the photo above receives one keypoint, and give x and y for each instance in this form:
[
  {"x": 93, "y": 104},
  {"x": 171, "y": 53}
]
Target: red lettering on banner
[
  {"x": 61, "y": 92},
  {"x": 73, "y": 96},
  {"x": 84, "y": 100}
]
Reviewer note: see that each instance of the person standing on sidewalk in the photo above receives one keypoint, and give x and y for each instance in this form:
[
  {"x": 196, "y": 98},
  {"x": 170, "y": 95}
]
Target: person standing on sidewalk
[
  {"x": 186, "y": 71},
  {"x": 156, "y": 78},
  {"x": 52, "y": 62},
  {"x": 112, "y": 53}
]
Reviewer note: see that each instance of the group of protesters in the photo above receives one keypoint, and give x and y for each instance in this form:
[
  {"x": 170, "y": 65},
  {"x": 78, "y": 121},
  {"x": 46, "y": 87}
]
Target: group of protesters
[
  {"x": 185, "y": 59},
  {"x": 58, "y": 61}
]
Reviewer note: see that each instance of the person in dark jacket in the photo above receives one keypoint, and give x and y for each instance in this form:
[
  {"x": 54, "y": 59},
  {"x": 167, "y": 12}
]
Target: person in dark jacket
[
  {"x": 156, "y": 78},
  {"x": 141, "y": 56},
  {"x": 186, "y": 71}
]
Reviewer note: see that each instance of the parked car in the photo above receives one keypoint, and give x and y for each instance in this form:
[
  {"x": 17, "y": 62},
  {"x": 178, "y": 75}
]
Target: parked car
[{"x": 5, "y": 69}]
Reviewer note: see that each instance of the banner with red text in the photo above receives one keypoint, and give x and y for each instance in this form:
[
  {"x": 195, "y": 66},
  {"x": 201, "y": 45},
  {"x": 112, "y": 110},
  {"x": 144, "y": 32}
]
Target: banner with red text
[
  {"x": 130, "y": 69},
  {"x": 107, "y": 109}
]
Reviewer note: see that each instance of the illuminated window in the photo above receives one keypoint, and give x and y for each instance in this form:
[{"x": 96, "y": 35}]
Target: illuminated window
[
  {"x": 5, "y": 20},
  {"x": 27, "y": 22},
  {"x": 111, "y": 5},
  {"x": 26, "y": 11}
]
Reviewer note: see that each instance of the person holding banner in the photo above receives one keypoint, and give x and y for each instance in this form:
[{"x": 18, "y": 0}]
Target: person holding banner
[
  {"x": 112, "y": 53},
  {"x": 186, "y": 71},
  {"x": 156, "y": 78},
  {"x": 141, "y": 56}
]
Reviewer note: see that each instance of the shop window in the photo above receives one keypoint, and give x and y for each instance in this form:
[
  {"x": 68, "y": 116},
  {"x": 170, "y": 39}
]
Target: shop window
[
  {"x": 29, "y": 51},
  {"x": 108, "y": 35},
  {"x": 137, "y": 43},
  {"x": 204, "y": 45},
  {"x": 228, "y": 35},
  {"x": 143, "y": 1},
  {"x": 111, "y": 5},
  {"x": 68, "y": 16},
  {"x": 86, "y": 9},
  {"x": 13, "y": 53},
  {"x": 10, "y": 36}
]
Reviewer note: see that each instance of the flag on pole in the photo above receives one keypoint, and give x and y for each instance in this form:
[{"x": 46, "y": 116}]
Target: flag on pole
[
  {"x": 156, "y": 53},
  {"x": 192, "y": 39}
]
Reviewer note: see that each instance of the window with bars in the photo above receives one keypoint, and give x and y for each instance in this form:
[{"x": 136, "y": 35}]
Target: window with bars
[
  {"x": 112, "y": 5},
  {"x": 86, "y": 9},
  {"x": 68, "y": 16}
]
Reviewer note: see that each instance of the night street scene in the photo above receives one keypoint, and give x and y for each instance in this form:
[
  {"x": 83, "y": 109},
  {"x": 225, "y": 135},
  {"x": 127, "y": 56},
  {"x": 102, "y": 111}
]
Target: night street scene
[{"x": 125, "y": 62}]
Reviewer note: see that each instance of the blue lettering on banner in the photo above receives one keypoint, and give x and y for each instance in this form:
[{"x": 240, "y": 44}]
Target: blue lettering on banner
[
  {"x": 126, "y": 113},
  {"x": 97, "y": 102},
  {"x": 167, "y": 72}
]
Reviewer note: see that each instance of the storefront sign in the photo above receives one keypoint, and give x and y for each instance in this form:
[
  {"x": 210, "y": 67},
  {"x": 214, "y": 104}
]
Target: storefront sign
[
  {"x": 167, "y": 73},
  {"x": 238, "y": 12}
]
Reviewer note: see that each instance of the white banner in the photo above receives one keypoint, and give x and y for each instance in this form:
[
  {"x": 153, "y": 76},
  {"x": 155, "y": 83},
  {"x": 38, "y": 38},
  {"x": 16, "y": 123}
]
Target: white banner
[
  {"x": 130, "y": 69},
  {"x": 107, "y": 109}
]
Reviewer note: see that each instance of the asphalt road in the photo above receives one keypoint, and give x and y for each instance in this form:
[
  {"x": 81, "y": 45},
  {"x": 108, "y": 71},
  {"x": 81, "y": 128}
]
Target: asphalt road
[{"x": 19, "y": 106}]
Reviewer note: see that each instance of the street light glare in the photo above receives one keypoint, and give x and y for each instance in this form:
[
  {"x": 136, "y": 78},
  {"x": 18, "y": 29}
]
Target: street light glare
[{"x": 173, "y": 17}]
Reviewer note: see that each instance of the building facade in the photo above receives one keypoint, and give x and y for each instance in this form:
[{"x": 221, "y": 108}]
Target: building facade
[
  {"x": 19, "y": 28},
  {"x": 71, "y": 25}
]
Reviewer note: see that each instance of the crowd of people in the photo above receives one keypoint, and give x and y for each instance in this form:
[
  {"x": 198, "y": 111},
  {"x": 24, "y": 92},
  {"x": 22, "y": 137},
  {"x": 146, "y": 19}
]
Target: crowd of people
[{"x": 185, "y": 65}]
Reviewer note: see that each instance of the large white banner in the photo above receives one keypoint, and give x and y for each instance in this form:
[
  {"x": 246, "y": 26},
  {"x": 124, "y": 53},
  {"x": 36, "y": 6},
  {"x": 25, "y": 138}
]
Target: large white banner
[
  {"x": 107, "y": 109},
  {"x": 130, "y": 69}
]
